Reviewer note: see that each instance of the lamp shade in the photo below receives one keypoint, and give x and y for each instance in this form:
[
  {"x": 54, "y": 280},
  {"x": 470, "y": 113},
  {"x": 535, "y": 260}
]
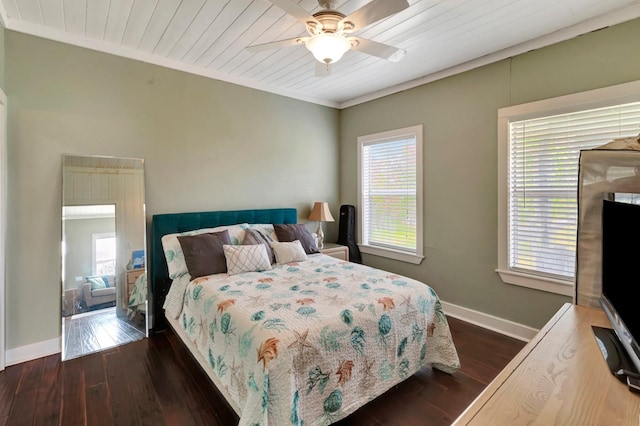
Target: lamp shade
[
  {"x": 327, "y": 47},
  {"x": 320, "y": 212}
]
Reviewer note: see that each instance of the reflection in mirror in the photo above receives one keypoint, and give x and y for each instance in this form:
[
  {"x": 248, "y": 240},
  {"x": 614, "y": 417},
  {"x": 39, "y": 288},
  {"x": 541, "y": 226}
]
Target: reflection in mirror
[{"x": 104, "y": 286}]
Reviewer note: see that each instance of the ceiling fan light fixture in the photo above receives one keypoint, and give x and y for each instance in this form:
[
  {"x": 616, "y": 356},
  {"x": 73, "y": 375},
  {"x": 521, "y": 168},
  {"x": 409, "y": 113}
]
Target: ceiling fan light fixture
[{"x": 328, "y": 47}]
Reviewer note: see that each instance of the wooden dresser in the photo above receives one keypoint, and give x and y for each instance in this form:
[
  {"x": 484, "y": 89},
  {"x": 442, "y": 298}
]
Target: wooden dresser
[
  {"x": 132, "y": 276},
  {"x": 559, "y": 378}
]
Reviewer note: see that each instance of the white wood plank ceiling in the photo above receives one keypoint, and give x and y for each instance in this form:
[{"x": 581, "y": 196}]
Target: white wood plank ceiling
[{"x": 209, "y": 37}]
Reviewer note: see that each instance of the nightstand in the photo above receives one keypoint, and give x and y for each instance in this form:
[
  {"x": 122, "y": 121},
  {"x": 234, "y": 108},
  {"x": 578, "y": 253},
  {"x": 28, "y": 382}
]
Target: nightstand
[
  {"x": 336, "y": 250},
  {"x": 132, "y": 276}
]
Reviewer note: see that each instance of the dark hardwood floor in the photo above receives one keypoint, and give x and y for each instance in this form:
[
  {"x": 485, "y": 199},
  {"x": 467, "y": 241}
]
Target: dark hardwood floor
[
  {"x": 156, "y": 382},
  {"x": 98, "y": 330}
]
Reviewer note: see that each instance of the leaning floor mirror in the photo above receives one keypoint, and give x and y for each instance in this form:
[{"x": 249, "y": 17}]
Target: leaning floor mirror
[{"x": 104, "y": 285}]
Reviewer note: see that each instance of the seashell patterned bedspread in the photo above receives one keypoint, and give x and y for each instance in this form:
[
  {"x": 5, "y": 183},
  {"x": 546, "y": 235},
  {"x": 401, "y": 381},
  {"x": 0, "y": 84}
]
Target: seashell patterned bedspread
[{"x": 313, "y": 341}]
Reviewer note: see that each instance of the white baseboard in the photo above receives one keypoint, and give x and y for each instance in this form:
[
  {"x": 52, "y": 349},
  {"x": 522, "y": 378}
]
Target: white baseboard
[
  {"x": 490, "y": 322},
  {"x": 33, "y": 351}
]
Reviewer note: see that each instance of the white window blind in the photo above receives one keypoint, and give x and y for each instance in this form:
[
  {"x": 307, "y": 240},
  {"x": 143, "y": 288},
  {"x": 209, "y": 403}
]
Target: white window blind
[
  {"x": 389, "y": 193},
  {"x": 543, "y": 179},
  {"x": 104, "y": 254}
]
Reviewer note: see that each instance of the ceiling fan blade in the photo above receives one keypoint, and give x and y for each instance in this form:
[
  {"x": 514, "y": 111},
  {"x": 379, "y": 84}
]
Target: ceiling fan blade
[
  {"x": 374, "y": 11},
  {"x": 322, "y": 69},
  {"x": 276, "y": 44},
  {"x": 380, "y": 50},
  {"x": 294, "y": 10}
]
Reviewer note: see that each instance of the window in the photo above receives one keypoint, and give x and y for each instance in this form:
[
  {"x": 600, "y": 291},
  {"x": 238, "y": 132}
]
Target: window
[
  {"x": 539, "y": 151},
  {"x": 390, "y": 194},
  {"x": 104, "y": 253}
]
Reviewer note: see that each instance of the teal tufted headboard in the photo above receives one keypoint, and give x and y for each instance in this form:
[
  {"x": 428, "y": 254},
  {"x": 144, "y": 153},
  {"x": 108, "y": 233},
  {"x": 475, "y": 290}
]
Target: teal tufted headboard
[{"x": 163, "y": 224}]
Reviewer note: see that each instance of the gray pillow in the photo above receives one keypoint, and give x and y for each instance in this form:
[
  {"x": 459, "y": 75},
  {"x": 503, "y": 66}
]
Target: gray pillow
[
  {"x": 204, "y": 254},
  {"x": 296, "y": 231},
  {"x": 253, "y": 237}
]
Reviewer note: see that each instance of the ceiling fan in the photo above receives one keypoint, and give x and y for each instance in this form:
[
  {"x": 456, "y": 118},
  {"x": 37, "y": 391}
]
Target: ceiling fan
[{"x": 329, "y": 31}]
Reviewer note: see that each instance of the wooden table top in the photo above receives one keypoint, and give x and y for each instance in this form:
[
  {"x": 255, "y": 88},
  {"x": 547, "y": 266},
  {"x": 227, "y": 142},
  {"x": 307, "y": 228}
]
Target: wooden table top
[{"x": 559, "y": 378}]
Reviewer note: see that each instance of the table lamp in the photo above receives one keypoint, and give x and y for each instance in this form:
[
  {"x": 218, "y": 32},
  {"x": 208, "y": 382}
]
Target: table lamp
[{"x": 321, "y": 213}]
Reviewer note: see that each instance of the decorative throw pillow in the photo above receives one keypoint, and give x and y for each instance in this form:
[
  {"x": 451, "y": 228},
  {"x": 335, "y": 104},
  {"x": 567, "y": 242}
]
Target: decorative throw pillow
[
  {"x": 173, "y": 250},
  {"x": 203, "y": 253},
  {"x": 246, "y": 258},
  {"x": 105, "y": 279},
  {"x": 296, "y": 231},
  {"x": 253, "y": 236},
  {"x": 265, "y": 228},
  {"x": 288, "y": 252},
  {"x": 96, "y": 283}
]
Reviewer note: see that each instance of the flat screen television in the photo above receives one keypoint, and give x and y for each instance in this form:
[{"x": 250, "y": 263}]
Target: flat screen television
[{"x": 621, "y": 280}]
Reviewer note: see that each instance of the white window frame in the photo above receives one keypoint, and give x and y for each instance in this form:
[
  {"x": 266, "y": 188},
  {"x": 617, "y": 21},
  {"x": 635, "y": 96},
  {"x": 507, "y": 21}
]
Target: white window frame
[
  {"x": 592, "y": 99},
  {"x": 94, "y": 238},
  {"x": 392, "y": 135}
]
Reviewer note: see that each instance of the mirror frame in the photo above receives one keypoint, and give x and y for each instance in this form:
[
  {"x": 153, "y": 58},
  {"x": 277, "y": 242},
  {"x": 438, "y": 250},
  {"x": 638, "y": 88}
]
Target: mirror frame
[{"x": 89, "y": 180}]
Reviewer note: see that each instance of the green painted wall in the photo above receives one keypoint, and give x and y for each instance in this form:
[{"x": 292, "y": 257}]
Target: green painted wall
[
  {"x": 459, "y": 115},
  {"x": 79, "y": 241},
  {"x": 2, "y": 30},
  {"x": 211, "y": 145},
  {"x": 207, "y": 145}
]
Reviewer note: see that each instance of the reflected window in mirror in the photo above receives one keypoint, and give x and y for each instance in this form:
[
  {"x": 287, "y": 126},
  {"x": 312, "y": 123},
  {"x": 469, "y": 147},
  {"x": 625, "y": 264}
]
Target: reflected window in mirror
[{"x": 104, "y": 253}]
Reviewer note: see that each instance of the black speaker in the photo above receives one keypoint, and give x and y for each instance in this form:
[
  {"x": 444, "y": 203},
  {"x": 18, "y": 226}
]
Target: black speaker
[{"x": 347, "y": 232}]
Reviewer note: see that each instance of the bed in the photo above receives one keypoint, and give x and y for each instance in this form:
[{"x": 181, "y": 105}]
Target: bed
[
  {"x": 304, "y": 342},
  {"x": 138, "y": 297}
]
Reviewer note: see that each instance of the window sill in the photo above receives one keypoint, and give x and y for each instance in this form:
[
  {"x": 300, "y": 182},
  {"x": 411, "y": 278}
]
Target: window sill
[
  {"x": 391, "y": 254},
  {"x": 549, "y": 285}
]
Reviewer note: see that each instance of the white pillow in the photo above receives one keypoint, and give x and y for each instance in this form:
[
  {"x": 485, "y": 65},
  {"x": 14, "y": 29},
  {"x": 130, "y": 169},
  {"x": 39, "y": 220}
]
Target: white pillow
[
  {"x": 250, "y": 258},
  {"x": 173, "y": 250},
  {"x": 288, "y": 252}
]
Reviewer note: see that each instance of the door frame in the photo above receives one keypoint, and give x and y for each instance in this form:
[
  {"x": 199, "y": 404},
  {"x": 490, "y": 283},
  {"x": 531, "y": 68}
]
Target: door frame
[{"x": 3, "y": 222}]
